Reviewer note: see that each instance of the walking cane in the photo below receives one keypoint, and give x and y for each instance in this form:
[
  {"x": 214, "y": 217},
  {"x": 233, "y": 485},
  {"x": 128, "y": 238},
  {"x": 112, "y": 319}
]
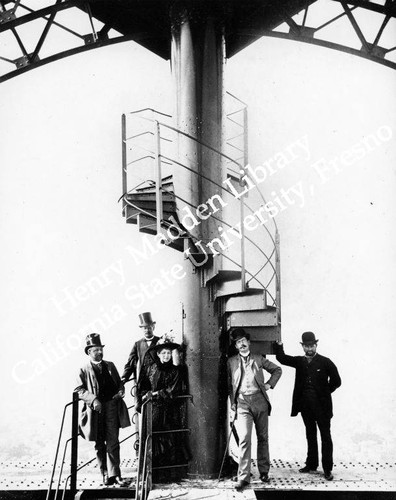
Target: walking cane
[{"x": 232, "y": 431}]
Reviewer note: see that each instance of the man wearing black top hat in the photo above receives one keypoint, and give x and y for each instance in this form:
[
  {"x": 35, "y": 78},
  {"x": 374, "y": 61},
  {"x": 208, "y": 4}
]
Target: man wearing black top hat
[
  {"x": 316, "y": 378},
  {"x": 104, "y": 410},
  {"x": 249, "y": 399},
  {"x": 137, "y": 356}
]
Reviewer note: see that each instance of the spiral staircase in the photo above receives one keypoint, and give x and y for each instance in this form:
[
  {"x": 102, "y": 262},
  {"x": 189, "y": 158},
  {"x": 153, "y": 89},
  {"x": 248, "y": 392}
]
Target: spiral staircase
[{"x": 247, "y": 292}]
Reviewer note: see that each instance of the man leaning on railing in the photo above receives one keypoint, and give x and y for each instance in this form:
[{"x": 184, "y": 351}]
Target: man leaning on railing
[{"x": 104, "y": 411}]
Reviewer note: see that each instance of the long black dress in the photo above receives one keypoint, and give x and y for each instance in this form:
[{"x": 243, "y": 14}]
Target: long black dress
[{"x": 168, "y": 448}]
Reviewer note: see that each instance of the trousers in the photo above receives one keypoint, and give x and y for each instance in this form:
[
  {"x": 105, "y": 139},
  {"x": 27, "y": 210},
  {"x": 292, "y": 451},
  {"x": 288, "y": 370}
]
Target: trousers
[
  {"x": 107, "y": 445},
  {"x": 252, "y": 410},
  {"x": 314, "y": 418}
]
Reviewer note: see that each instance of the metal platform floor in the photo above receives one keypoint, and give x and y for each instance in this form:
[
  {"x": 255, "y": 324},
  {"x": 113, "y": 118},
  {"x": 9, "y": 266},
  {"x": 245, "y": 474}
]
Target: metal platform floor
[{"x": 348, "y": 477}]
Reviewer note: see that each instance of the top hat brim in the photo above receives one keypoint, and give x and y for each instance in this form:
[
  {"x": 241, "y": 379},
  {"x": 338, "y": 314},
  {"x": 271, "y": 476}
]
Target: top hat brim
[
  {"x": 89, "y": 347},
  {"x": 147, "y": 324}
]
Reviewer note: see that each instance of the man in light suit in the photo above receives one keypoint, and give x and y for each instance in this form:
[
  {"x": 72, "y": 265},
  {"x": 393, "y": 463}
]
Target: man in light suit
[
  {"x": 250, "y": 401},
  {"x": 104, "y": 411}
]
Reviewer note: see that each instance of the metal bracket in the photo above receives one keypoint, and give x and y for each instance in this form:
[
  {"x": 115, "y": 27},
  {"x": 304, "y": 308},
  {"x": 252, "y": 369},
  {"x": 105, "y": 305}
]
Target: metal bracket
[
  {"x": 375, "y": 50},
  {"x": 6, "y": 16},
  {"x": 24, "y": 61},
  {"x": 91, "y": 38}
]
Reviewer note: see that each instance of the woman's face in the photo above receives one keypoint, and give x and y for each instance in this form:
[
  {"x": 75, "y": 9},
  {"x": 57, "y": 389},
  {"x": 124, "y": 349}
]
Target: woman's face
[{"x": 165, "y": 355}]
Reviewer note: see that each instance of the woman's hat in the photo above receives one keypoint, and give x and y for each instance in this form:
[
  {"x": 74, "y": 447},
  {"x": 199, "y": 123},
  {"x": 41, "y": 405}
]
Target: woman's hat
[
  {"x": 146, "y": 319},
  {"x": 308, "y": 338},
  {"x": 92, "y": 340},
  {"x": 166, "y": 342}
]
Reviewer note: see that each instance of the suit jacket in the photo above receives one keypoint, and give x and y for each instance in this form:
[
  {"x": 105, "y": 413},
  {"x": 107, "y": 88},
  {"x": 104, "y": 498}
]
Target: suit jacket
[
  {"x": 136, "y": 356},
  {"x": 88, "y": 390},
  {"x": 324, "y": 375},
  {"x": 234, "y": 366}
]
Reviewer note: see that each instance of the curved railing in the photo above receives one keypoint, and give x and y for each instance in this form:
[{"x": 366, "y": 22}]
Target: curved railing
[{"x": 156, "y": 159}]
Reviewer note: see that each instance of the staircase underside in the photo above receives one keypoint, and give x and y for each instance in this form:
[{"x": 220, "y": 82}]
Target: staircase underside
[{"x": 150, "y": 22}]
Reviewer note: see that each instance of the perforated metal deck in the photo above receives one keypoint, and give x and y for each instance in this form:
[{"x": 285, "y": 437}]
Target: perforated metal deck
[{"x": 369, "y": 476}]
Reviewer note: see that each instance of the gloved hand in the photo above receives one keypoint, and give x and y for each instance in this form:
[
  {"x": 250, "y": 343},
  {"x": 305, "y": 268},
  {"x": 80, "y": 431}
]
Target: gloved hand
[
  {"x": 97, "y": 405},
  {"x": 147, "y": 396},
  {"x": 120, "y": 394}
]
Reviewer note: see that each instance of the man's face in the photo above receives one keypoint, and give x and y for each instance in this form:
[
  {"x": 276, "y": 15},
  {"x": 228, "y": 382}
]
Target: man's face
[
  {"x": 148, "y": 330},
  {"x": 243, "y": 345},
  {"x": 309, "y": 349},
  {"x": 96, "y": 353}
]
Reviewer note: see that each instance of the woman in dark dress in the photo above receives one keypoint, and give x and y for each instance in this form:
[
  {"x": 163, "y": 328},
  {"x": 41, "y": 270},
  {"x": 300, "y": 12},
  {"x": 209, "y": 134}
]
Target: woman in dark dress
[{"x": 162, "y": 382}]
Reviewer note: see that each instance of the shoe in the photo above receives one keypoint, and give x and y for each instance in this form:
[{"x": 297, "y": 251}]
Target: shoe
[
  {"x": 106, "y": 480},
  {"x": 241, "y": 485},
  {"x": 306, "y": 469},
  {"x": 264, "y": 477},
  {"x": 328, "y": 476},
  {"x": 118, "y": 480}
]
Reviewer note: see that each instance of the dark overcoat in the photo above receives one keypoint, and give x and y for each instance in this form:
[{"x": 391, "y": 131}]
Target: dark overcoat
[
  {"x": 136, "y": 357},
  {"x": 324, "y": 376},
  {"x": 88, "y": 390},
  {"x": 260, "y": 363}
]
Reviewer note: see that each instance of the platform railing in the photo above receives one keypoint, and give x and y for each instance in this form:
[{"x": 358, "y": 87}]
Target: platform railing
[
  {"x": 145, "y": 461},
  {"x": 73, "y": 441}
]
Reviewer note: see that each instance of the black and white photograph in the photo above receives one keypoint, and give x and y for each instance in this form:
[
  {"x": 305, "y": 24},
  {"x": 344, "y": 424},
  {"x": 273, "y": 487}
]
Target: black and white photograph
[{"x": 198, "y": 229}]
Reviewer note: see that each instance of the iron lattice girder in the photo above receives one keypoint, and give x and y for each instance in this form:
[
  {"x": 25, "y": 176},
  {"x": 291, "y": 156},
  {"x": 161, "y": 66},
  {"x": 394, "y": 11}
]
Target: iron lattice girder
[{"x": 148, "y": 22}]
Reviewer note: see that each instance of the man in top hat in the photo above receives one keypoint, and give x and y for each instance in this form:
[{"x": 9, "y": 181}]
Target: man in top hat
[
  {"x": 137, "y": 356},
  {"x": 104, "y": 411},
  {"x": 316, "y": 378},
  {"x": 249, "y": 399}
]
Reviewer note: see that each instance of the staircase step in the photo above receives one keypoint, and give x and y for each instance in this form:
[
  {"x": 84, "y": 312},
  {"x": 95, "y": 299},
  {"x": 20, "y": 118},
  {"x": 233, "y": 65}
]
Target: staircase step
[
  {"x": 147, "y": 224},
  {"x": 247, "y": 301},
  {"x": 170, "y": 206},
  {"x": 150, "y": 185},
  {"x": 132, "y": 213},
  {"x": 226, "y": 288},
  {"x": 136, "y": 197},
  {"x": 225, "y": 275},
  {"x": 257, "y": 318}
]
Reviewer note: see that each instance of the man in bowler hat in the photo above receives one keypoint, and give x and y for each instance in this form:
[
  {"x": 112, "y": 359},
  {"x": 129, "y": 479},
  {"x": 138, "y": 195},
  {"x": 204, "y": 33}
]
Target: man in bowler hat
[
  {"x": 316, "y": 378},
  {"x": 249, "y": 399},
  {"x": 104, "y": 411}
]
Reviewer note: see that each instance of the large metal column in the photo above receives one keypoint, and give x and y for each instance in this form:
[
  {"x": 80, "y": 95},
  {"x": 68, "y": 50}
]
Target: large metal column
[{"x": 197, "y": 66}]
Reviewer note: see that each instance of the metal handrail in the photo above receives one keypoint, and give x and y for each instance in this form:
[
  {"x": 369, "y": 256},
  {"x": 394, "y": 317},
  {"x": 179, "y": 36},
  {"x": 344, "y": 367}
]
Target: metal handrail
[
  {"x": 72, "y": 477},
  {"x": 143, "y": 474},
  {"x": 57, "y": 449},
  {"x": 253, "y": 276},
  {"x": 225, "y": 255}
]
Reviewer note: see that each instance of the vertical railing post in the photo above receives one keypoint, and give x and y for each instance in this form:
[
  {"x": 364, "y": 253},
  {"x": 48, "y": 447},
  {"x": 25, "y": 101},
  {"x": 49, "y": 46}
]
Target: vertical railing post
[
  {"x": 278, "y": 281},
  {"x": 74, "y": 446},
  {"x": 242, "y": 210},
  {"x": 124, "y": 160},
  {"x": 158, "y": 186},
  {"x": 149, "y": 451}
]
